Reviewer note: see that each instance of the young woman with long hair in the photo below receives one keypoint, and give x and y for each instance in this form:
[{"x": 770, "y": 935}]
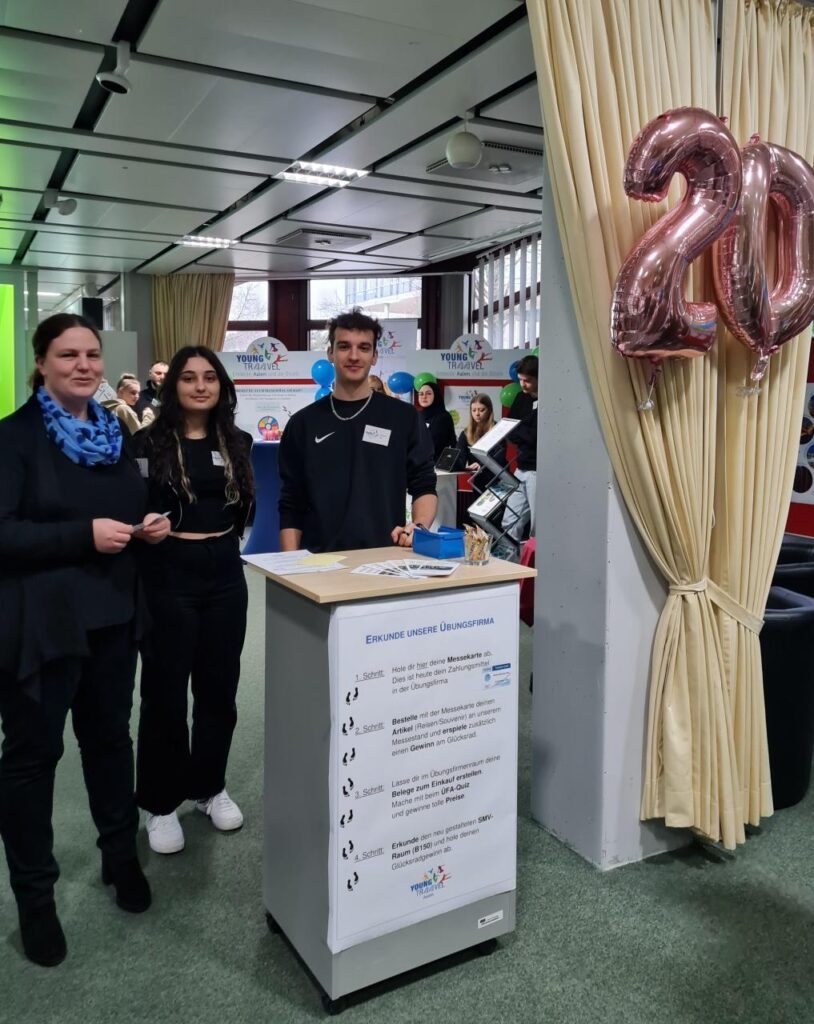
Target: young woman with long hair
[
  {"x": 197, "y": 463},
  {"x": 481, "y": 420}
]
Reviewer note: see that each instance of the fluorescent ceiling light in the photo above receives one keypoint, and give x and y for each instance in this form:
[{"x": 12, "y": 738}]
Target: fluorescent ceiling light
[
  {"x": 320, "y": 174},
  {"x": 206, "y": 242},
  {"x": 50, "y": 295}
]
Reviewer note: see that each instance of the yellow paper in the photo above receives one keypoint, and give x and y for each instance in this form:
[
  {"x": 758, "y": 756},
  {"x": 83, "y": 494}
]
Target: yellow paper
[{"x": 326, "y": 559}]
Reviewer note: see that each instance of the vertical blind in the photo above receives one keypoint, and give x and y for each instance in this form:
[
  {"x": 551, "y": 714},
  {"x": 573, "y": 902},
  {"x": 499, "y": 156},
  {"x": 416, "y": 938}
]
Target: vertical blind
[{"x": 506, "y": 294}]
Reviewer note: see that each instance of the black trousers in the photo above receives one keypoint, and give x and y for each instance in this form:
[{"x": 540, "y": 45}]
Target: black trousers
[
  {"x": 98, "y": 691},
  {"x": 197, "y": 596}
]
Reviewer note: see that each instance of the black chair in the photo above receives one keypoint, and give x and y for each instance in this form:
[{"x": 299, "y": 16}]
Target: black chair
[
  {"x": 795, "y": 565},
  {"x": 787, "y": 650}
]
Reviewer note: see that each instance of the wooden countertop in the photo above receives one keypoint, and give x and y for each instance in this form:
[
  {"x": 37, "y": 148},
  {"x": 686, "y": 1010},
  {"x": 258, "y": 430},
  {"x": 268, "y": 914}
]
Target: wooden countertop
[{"x": 342, "y": 585}]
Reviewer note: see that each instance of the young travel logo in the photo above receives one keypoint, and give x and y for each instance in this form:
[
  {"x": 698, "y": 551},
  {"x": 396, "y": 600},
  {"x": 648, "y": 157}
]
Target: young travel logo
[
  {"x": 468, "y": 354},
  {"x": 388, "y": 343},
  {"x": 431, "y": 881},
  {"x": 263, "y": 355}
]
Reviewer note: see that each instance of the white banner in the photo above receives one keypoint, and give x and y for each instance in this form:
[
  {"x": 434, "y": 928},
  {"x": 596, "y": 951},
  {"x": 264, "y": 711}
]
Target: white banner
[
  {"x": 423, "y": 761},
  {"x": 264, "y": 411}
]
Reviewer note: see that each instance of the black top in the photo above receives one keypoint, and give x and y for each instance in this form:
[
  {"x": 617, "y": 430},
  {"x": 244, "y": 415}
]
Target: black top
[
  {"x": 209, "y": 513},
  {"x": 524, "y": 435},
  {"x": 481, "y": 480},
  {"x": 345, "y": 482},
  {"x": 54, "y": 585},
  {"x": 438, "y": 421},
  {"x": 148, "y": 396}
]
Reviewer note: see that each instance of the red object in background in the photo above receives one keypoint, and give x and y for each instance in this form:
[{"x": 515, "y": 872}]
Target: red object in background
[
  {"x": 801, "y": 517},
  {"x": 527, "y": 557}
]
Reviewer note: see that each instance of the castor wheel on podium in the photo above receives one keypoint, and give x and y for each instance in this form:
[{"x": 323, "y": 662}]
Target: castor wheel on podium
[
  {"x": 274, "y": 928},
  {"x": 333, "y": 1006},
  {"x": 486, "y": 948}
]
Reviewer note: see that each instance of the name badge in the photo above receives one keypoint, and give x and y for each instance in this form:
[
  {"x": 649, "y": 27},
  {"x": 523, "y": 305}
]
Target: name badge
[
  {"x": 535, "y": 404},
  {"x": 376, "y": 435},
  {"x": 143, "y": 467},
  {"x": 217, "y": 459}
]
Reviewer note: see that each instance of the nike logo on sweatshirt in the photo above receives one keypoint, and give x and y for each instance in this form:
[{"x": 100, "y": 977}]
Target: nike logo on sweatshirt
[{"x": 319, "y": 440}]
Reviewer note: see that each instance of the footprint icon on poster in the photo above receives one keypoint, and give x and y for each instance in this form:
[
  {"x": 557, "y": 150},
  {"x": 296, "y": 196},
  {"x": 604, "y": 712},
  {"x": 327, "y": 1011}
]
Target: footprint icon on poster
[
  {"x": 347, "y": 726},
  {"x": 347, "y": 757},
  {"x": 352, "y": 695},
  {"x": 346, "y": 819},
  {"x": 352, "y": 882},
  {"x": 347, "y": 850},
  {"x": 348, "y": 787}
]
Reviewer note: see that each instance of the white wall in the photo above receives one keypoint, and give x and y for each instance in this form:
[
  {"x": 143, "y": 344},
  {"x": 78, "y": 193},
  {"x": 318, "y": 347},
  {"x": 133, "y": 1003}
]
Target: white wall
[{"x": 597, "y": 602}]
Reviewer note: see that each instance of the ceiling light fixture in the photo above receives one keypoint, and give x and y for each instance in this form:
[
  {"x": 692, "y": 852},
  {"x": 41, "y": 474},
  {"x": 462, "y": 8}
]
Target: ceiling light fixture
[
  {"x": 464, "y": 149},
  {"x": 320, "y": 174},
  {"x": 50, "y": 295},
  {"x": 116, "y": 81},
  {"x": 51, "y": 201},
  {"x": 500, "y": 168},
  {"x": 206, "y": 242}
]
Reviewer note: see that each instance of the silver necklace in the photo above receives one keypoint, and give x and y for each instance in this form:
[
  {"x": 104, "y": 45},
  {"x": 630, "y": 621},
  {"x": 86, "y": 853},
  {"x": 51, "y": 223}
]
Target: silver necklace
[{"x": 353, "y": 416}]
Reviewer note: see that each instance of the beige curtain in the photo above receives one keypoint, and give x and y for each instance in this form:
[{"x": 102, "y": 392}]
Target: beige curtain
[
  {"x": 767, "y": 87},
  {"x": 605, "y": 68},
  {"x": 190, "y": 309}
]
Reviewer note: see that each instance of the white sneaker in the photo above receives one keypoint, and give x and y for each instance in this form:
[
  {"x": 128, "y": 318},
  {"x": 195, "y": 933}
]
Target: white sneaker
[
  {"x": 164, "y": 833},
  {"x": 223, "y": 812}
]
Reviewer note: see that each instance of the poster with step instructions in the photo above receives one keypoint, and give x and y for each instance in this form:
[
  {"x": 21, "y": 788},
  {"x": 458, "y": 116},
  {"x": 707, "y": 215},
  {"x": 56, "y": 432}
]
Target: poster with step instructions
[{"x": 423, "y": 759}]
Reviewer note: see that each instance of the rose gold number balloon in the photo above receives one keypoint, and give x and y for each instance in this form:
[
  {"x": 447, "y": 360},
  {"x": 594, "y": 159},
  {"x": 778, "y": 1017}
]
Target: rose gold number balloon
[
  {"x": 650, "y": 318},
  {"x": 760, "y": 319}
]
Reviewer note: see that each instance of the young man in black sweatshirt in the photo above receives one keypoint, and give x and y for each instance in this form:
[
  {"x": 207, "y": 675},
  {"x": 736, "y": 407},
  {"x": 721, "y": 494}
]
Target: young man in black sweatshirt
[
  {"x": 522, "y": 502},
  {"x": 348, "y": 461}
]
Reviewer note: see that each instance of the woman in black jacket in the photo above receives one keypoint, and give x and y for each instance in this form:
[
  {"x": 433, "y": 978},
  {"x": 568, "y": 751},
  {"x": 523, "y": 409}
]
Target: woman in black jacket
[
  {"x": 71, "y": 502},
  {"x": 481, "y": 421},
  {"x": 434, "y": 414},
  {"x": 198, "y": 466}
]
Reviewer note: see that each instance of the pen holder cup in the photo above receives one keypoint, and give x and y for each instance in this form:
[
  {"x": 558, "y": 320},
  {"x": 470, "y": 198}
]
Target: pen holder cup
[
  {"x": 447, "y": 543},
  {"x": 477, "y": 551}
]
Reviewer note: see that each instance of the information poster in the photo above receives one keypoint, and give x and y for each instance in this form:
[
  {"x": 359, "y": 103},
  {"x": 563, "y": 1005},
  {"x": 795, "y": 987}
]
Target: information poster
[
  {"x": 457, "y": 399},
  {"x": 423, "y": 761},
  {"x": 264, "y": 412}
]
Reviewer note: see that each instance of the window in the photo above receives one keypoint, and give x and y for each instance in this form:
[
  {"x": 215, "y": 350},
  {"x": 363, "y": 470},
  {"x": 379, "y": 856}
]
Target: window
[
  {"x": 248, "y": 315},
  {"x": 385, "y": 298},
  {"x": 506, "y": 294}
]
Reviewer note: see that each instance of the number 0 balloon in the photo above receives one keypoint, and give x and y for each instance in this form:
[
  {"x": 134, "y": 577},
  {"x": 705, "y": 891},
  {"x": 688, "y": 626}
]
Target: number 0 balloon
[{"x": 650, "y": 318}]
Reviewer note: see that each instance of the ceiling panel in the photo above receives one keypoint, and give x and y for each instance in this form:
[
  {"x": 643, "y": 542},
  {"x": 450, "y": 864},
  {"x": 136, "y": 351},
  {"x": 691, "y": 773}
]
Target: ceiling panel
[
  {"x": 440, "y": 189},
  {"x": 7, "y": 255},
  {"x": 270, "y": 203},
  {"x": 356, "y": 207},
  {"x": 419, "y": 247},
  {"x": 176, "y": 259},
  {"x": 19, "y": 204},
  {"x": 64, "y": 261},
  {"x": 132, "y": 217},
  {"x": 94, "y": 20},
  {"x": 351, "y": 267},
  {"x": 44, "y": 82},
  {"x": 521, "y": 107},
  {"x": 178, "y": 186},
  {"x": 26, "y": 168},
  {"x": 367, "y": 46},
  {"x": 490, "y": 222},
  {"x": 96, "y": 245},
  {"x": 65, "y": 281},
  {"x": 10, "y": 239},
  {"x": 414, "y": 162},
  {"x": 198, "y": 109},
  {"x": 238, "y": 259},
  {"x": 280, "y": 228}
]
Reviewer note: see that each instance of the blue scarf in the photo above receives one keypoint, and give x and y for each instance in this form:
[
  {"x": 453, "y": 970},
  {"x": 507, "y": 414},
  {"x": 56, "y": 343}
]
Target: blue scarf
[{"x": 91, "y": 442}]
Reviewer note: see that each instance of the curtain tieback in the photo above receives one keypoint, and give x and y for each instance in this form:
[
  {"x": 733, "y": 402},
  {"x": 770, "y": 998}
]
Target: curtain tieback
[{"x": 723, "y": 600}]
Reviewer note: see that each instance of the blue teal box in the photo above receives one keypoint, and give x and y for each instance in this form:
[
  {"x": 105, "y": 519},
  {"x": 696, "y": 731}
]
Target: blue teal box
[{"x": 446, "y": 543}]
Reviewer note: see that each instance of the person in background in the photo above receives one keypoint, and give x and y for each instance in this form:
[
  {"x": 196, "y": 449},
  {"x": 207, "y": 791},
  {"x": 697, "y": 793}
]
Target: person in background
[
  {"x": 436, "y": 418},
  {"x": 376, "y": 384},
  {"x": 481, "y": 420},
  {"x": 348, "y": 460},
  {"x": 522, "y": 501},
  {"x": 198, "y": 467},
  {"x": 71, "y": 504},
  {"x": 149, "y": 397}
]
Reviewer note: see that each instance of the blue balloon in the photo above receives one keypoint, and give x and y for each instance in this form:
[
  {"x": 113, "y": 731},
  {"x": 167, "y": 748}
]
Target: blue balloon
[
  {"x": 323, "y": 373},
  {"x": 513, "y": 371},
  {"x": 321, "y": 393},
  {"x": 400, "y": 382}
]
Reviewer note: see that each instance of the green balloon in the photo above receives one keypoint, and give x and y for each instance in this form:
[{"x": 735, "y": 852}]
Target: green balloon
[
  {"x": 535, "y": 351},
  {"x": 423, "y": 378},
  {"x": 509, "y": 393}
]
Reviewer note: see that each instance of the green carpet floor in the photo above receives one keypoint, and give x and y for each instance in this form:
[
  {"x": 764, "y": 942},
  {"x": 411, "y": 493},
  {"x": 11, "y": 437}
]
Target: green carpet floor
[{"x": 692, "y": 937}]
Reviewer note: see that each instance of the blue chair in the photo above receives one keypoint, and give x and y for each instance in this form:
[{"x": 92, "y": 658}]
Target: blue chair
[{"x": 265, "y": 535}]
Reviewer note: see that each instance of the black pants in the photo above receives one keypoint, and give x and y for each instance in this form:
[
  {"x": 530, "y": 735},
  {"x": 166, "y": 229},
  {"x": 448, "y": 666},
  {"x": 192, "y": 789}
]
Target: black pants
[
  {"x": 198, "y": 598},
  {"x": 98, "y": 691}
]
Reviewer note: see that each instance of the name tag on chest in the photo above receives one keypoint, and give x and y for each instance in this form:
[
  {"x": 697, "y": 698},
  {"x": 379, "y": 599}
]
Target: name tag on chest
[
  {"x": 217, "y": 459},
  {"x": 376, "y": 435},
  {"x": 143, "y": 467}
]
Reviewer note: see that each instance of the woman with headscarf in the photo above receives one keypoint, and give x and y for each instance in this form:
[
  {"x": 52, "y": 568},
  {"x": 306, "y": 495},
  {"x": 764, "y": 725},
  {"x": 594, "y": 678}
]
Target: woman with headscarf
[{"x": 436, "y": 418}]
